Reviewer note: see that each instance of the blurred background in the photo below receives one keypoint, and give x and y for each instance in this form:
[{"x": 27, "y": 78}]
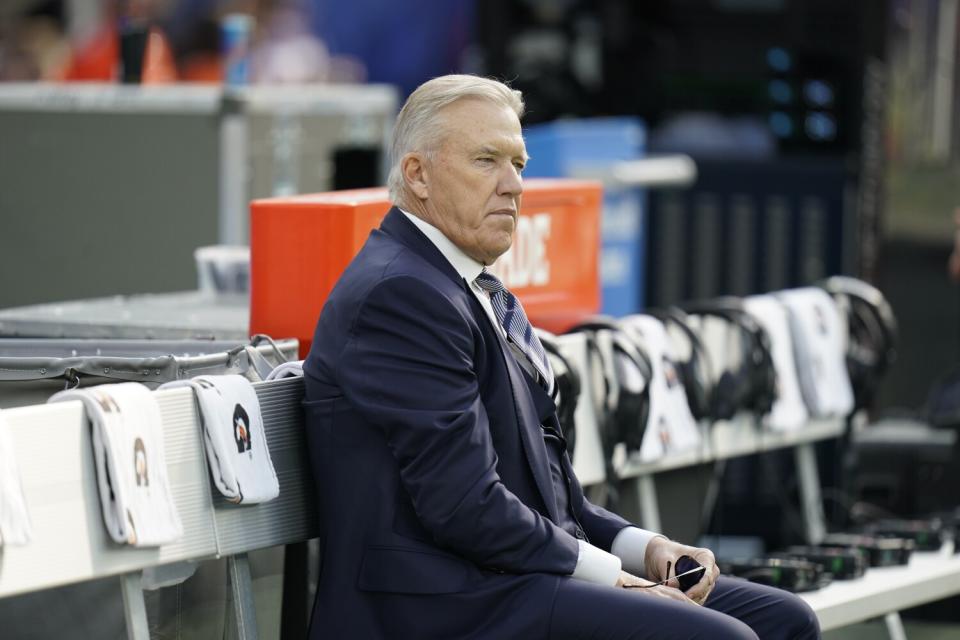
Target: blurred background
[
  {"x": 826, "y": 134},
  {"x": 819, "y": 137}
]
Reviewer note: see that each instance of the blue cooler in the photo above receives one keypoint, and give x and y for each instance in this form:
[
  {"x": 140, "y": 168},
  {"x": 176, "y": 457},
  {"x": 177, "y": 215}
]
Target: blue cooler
[{"x": 588, "y": 148}]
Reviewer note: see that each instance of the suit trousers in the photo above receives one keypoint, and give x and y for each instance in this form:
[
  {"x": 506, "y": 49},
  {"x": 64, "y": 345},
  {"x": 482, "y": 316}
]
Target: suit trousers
[{"x": 735, "y": 610}]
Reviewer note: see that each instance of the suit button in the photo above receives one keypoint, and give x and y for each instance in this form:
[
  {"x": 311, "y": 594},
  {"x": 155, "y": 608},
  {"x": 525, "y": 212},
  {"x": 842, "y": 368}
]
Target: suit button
[{"x": 580, "y": 534}]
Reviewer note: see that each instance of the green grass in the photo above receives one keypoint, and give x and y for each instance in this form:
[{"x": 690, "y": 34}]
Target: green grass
[{"x": 921, "y": 201}]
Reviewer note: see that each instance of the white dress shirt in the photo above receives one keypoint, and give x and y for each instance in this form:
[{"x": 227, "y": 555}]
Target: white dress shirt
[{"x": 593, "y": 563}]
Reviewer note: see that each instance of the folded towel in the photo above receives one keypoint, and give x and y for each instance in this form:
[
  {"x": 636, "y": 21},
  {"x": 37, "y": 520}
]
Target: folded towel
[
  {"x": 820, "y": 346},
  {"x": 287, "y": 370},
  {"x": 789, "y": 411},
  {"x": 671, "y": 426},
  {"x": 14, "y": 520},
  {"x": 233, "y": 436},
  {"x": 138, "y": 506}
]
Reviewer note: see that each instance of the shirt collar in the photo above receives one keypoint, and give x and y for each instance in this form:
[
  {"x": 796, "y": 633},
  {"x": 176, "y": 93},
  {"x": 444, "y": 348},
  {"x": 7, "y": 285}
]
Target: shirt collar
[{"x": 467, "y": 267}]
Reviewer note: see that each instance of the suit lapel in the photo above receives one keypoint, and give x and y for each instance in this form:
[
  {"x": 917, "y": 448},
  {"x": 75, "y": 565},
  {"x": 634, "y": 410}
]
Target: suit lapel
[
  {"x": 397, "y": 225},
  {"x": 530, "y": 432},
  {"x": 542, "y": 402}
]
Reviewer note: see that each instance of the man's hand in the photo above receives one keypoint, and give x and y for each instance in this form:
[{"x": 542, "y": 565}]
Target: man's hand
[
  {"x": 633, "y": 583},
  {"x": 662, "y": 555}
]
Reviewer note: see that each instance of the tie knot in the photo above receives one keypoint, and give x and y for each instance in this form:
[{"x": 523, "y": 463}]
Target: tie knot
[
  {"x": 513, "y": 321},
  {"x": 489, "y": 282}
]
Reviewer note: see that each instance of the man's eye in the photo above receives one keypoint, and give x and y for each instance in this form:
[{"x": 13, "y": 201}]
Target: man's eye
[
  {"x": 485, "y": 159},
  {"x": 519, "y": 165}
]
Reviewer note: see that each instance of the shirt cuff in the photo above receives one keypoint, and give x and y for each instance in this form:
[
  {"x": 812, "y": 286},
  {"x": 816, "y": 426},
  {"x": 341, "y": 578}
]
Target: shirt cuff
[
  {"x": 596, "y": 565},
  {"x": 630, "y": 546}
]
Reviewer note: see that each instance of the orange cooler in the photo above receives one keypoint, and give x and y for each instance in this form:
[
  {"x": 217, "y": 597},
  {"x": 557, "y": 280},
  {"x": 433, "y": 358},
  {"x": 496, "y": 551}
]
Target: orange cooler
[{"x": 300, "y": 245}]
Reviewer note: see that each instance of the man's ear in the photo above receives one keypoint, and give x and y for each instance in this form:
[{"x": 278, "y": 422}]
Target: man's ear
[{"x": 414, "y": 171}]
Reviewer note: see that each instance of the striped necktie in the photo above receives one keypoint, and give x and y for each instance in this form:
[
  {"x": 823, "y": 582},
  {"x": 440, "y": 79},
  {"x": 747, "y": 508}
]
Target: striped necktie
[{"x": 514, "y": 321}]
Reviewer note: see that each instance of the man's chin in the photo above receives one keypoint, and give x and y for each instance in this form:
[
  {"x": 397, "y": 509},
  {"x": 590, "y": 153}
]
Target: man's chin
[{"x": 495, "y": 254}]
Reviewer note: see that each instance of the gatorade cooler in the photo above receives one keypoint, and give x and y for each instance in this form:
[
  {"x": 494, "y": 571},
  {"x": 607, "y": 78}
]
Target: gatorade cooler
[{"x": 300, "y": 245}]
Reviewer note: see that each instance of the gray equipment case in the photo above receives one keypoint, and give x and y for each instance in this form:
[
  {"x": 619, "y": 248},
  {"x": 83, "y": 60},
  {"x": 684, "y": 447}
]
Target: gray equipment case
[{"x": 31, "y": 370}]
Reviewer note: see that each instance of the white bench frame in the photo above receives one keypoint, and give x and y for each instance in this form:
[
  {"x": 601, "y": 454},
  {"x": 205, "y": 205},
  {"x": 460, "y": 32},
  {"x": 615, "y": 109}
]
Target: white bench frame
[{"x": 881, "y": 592}]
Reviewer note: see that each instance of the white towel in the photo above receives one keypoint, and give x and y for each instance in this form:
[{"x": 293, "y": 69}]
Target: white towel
[
  {"x": 14, "y": 520},
  {"x": 233, "y": 436},
  {"x": 671, "y": 426},
  {"x": 789, "y": 411},
  {"x": 138, "y": 506},
  {"x": 820, "y": 346},
  {"x": 286, "y": 370}
]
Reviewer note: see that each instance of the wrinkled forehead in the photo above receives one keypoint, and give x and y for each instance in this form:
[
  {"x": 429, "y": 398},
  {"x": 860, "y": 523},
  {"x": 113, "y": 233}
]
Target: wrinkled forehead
[{"x": 479, "y": 123}]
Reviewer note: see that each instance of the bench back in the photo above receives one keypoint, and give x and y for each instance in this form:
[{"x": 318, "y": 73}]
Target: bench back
[{"x": 70, "y": 544}]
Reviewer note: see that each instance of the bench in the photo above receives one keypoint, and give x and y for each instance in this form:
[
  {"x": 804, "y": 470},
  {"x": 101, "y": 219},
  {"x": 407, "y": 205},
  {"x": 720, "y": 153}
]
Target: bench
[
  {"x": 59, "y": 484},
  {"x": 60, "y": 489}
]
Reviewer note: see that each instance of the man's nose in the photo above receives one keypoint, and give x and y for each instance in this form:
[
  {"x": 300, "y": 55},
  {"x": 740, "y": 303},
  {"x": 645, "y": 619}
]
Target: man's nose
[{"x": 511, "y": 182}]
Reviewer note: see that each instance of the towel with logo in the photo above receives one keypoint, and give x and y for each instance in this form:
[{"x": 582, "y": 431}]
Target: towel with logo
[
  {"x": 789, "y": 411},
  {"x": 233, "y": 437},
  {"x": 671, "y": 426},
  {"x": 14, "y": 520},
  {"x": 820, "y": 346},
  {"x": 138, "y": 507},
  {"x": 292, "y": 369}
]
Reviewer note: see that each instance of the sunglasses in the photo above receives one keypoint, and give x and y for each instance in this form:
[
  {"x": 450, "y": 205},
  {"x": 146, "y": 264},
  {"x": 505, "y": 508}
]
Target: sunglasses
[{"x": 684, "y": 584}]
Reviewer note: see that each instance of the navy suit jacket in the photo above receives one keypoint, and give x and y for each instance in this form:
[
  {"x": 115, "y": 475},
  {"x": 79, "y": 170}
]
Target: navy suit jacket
[{"x": 438, "y": 510}]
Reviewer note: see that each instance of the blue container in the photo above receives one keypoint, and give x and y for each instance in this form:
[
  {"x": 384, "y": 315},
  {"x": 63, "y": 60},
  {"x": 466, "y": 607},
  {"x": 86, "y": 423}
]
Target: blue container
[
  {"x": 589, "y": 148},
  {"x": 236, "y": 34}
]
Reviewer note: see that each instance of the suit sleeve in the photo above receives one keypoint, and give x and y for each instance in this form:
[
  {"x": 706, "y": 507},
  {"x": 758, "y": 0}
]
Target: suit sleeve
[
  {"x": 600, "y": 525},
  {"x": 610, "y": 532},
  {"x": 408, "y": 367},
  {"x": 618, "y": 537}
]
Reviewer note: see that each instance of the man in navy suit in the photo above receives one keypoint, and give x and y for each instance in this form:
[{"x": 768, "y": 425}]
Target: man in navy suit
[{"x": 449, "y": 506}]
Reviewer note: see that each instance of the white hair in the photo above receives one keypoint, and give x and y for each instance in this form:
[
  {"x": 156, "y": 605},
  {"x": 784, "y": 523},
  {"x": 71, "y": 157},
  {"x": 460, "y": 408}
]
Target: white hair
[{"x": 417, "y": 128}]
